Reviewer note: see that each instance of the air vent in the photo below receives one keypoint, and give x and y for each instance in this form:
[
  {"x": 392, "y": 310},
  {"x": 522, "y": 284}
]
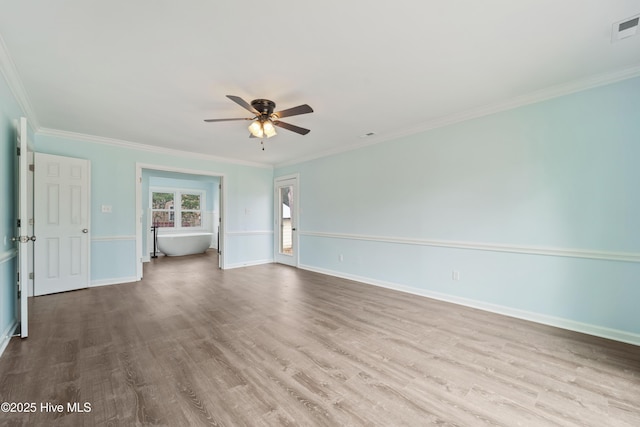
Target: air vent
[{"x": 624, "y": 29}]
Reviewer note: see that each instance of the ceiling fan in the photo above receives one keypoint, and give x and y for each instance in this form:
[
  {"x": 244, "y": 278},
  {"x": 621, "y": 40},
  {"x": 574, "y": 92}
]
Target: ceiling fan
[{"x": 265, "y": 118}]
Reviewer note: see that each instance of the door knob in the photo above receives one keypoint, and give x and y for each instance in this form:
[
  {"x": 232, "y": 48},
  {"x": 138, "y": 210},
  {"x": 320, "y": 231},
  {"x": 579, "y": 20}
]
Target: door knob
[
  {"x": 23, "y": 239},
  {"x": 84, "y": 230}
]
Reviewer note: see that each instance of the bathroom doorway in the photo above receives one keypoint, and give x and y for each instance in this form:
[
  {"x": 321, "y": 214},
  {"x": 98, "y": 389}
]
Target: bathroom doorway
[{"x": 178, "y": 202}]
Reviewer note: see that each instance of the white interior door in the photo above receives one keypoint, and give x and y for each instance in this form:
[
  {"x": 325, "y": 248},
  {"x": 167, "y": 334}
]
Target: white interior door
[
  {"x": 286, "y": 214},
  {"x": 61, "y": 223},
  {"x": 30, "y": 156},
  {"x": 22, "y": 238}
]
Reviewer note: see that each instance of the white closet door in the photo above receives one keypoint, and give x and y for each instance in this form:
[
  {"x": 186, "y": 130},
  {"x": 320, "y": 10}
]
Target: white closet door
[{"x": 62, "y": 210}]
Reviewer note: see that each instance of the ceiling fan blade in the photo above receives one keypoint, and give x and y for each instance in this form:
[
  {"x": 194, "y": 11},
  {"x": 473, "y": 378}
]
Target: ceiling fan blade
[
  {"x": 244, "y": 104},
  {"x": 292, "y": 128},
  {"x": 227, "y": 120},
  {"x": 300, "y": 109}
]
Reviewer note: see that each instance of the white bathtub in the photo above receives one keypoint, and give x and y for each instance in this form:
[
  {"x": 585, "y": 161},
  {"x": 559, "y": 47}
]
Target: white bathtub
[{"x": 184, "y": 244}]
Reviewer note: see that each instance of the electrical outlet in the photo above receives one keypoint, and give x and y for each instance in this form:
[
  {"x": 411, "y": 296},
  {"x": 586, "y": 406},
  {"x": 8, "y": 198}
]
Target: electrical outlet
[{"x": 455, "y": 275}]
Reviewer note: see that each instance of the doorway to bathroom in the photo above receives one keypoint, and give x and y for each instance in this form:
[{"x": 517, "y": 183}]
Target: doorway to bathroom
[{"x": 176, "y": 207}]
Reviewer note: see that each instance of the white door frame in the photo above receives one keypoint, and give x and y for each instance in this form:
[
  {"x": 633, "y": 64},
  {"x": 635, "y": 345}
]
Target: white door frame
[
  {"x": 140, "y": 211},
  {"x": 31, "y": 210},
  {"x": 22, "y": 237},
  {"x": 292, "y": 260}
]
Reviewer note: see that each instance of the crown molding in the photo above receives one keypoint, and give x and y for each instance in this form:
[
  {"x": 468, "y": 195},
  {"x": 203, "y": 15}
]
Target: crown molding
[
  {"x": 10, "y": 73},
  {"x": 462, "y": 116},
  {"x": 145, "y": 147}
]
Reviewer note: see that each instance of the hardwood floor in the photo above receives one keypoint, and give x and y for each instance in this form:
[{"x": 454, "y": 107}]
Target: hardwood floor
[{"x": 272, "y": 345}]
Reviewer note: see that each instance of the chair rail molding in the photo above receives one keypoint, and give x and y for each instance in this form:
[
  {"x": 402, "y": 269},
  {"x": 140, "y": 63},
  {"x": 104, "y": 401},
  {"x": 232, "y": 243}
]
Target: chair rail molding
[{"x": 481, "y": 246}]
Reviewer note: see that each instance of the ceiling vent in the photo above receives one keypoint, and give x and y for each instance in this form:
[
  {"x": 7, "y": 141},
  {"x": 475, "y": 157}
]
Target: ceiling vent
[{"x": 623, "y": 29}]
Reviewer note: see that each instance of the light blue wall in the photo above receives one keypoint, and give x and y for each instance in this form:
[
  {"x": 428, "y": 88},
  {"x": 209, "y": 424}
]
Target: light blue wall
[
  {"x": 8, "y": 113},
  {"x": 559, "y": 174},
  {"x": 113, "y": 171},
  {"x": 249, "y": 221}
]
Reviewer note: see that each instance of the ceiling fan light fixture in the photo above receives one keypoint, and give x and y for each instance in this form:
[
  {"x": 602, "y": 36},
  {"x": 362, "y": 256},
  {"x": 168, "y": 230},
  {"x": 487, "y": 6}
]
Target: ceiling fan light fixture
[
  {"x": 264, "y": 120},
  {"x": 256, "y": 129},
  {"x": 268, "y": 128}
]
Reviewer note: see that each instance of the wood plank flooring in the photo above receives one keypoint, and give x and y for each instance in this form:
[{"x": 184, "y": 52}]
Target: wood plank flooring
[{"x": 275, "y": 346}]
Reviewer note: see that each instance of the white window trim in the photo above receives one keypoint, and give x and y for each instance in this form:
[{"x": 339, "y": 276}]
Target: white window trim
[{"x": 177, "y": 206}]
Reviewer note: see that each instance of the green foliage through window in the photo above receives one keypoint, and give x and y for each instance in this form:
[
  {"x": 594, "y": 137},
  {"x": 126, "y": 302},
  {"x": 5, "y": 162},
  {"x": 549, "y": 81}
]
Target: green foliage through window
[
  {"x": 191, "y": 201},
  {"x": 162, "y": 200},
  {"x": 165, "y": 213}
]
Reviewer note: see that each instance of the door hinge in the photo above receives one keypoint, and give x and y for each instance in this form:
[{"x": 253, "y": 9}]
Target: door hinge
[
  {"x": 32, "y": 167},
  {"x": 31, "y": 276},
  {"x": 31, "y": 221},
  {"x": 18, "y": 151},
  {"x": 19, "y": 223}
]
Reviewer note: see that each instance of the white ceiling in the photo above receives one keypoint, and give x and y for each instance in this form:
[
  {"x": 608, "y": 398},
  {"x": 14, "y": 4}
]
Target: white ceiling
[{"x": 150, "y": 71}]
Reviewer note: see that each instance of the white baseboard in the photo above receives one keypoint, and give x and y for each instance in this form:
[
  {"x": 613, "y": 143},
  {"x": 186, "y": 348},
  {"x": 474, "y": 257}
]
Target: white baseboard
[
  {"x": 248, "y": 264},
  {"x": 114, "y": 281},
  {"x": 6, "y": 336},
  {"x": 558, "y": 322}
]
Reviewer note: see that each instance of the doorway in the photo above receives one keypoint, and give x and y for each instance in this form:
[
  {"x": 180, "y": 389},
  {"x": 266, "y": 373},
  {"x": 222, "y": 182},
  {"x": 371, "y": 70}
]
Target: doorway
[
  {"x": 212, "y": 217},
  {"x": 286, "y": 220}
]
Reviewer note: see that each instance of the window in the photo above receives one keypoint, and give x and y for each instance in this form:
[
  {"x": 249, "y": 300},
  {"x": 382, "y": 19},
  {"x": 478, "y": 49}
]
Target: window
[
  {"x": 186, "y": 214},
  {"x": 191, "y": 213},
  {"x": 163, "y": 213}
]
